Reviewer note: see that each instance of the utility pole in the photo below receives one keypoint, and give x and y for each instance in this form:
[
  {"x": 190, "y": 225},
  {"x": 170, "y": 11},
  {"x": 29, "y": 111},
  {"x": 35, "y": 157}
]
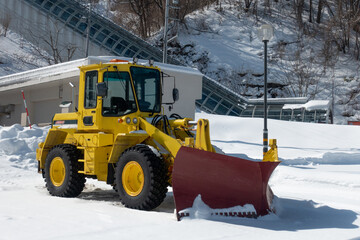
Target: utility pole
[
  {"x": 88, "y": 31},
  {"x": 332, "y": 96},
  {"x": 165, "y": 31},
  {"x": 166, "y": 26}
]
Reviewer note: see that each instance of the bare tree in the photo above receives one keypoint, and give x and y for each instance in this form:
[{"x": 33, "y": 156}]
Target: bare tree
[
  {"x": 301, "y": 72},
  {"x": 343, "y": 23},
  {"x": 299, "y": 9},
  {"x": 47, "y": 44},
  {"x": 319, "y": 11},
  {"x": 145, "y": 17},
  {"x": 5, "y": 22},
  {"x": 247, "y": 5},
  {"x": 310, "y": 10},
  {"x": 142, "y": 9}
]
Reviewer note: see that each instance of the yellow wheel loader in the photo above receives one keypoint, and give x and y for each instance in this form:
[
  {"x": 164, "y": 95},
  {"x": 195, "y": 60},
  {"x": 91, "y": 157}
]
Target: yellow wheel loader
[{"x": 119, "y": 135}]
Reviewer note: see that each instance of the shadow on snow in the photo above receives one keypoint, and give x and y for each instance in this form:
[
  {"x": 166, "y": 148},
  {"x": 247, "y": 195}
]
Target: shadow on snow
[
  {"x": 291, "y": 214},
  {"x": 294, "y": 215}
]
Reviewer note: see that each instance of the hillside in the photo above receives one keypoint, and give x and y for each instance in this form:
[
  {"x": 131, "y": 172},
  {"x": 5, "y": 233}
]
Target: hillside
[
  {"x": 16, "y": 54},
  {"x": 222, "y": 42}
]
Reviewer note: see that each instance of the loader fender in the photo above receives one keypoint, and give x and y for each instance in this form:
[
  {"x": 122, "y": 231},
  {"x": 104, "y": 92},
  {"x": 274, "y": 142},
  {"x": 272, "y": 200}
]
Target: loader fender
[
  {"x": 124, "y": 141},
  {"x": 53, "y": 138}
]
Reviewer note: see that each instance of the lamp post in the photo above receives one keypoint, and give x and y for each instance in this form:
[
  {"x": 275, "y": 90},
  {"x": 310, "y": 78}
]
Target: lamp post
[{"x": 265, "y": 33}]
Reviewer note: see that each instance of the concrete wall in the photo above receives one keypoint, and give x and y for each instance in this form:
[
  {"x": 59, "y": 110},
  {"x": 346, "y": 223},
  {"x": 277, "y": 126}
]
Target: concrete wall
[
  {"x": 37, "y": 27},
  {"x": 42, "y": 101}
]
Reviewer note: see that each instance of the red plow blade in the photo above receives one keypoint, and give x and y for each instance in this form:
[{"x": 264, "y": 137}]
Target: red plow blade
[{"x": 222, "y": 181}]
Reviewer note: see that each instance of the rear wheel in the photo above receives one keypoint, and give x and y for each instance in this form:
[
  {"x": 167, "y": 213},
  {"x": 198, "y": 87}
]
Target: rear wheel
[
  {"x": 61, "y": 171},
  {"x": 141, "y": 178}
]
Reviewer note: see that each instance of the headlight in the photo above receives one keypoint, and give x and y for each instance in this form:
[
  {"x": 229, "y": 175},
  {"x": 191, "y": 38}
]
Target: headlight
[
  {"x": 128, "y": 120},
  {"x": 135, "y": 120}
]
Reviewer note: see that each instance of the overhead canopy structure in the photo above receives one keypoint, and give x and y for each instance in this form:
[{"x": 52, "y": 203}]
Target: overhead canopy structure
[{"x": 291, "y": 109}]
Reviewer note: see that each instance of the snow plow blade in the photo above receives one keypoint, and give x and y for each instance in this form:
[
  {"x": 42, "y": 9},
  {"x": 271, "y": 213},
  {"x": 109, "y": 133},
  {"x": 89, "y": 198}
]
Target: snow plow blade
[{"x": 223, "y": 183}]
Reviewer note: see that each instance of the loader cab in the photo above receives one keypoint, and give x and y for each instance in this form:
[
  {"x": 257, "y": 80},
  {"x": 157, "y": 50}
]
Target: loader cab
[{"x": 112, "y": 91}]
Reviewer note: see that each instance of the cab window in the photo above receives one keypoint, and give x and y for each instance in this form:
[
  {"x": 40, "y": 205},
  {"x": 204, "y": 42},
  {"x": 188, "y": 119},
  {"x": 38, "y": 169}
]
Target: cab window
[
  {"x": 120, "y": 98},
  {"x": 148, "y": 88},
  {"x": 91, "y": 79}
]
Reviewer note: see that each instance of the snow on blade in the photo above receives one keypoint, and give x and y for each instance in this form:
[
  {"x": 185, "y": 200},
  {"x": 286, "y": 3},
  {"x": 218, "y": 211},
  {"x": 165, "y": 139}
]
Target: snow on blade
[{"x": 201, "y": 210}]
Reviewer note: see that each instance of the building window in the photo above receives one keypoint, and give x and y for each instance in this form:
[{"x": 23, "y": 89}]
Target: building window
[
  {"x": 66, "y": 14},
  {"x": 39, "y": 1},
  {"x": 57, "y": 9},
  {"x": 121, "y": 46},
  {"x": 131, "y": 51},
  {"x": 48, "y": 5}
]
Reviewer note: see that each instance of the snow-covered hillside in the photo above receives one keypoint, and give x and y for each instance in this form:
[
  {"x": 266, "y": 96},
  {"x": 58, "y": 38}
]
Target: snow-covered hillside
[
  {"x": 17, "y": 54},
  {"x": 317, "y": 188},
  {"x": 222, "y": 42}
]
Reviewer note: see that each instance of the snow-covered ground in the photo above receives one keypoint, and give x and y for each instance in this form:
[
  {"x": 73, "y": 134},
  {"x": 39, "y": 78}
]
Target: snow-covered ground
[{"x": 317, "y": 190}]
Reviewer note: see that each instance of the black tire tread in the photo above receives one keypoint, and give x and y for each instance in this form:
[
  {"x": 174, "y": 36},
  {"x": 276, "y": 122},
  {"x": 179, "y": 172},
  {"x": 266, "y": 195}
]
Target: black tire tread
[
  {"x": 76, "y": 181},
  {"x": 158, "y": 175}
]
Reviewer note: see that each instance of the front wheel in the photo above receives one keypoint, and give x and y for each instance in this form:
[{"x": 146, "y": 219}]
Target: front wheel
[
  {"x": 61, "y": 171},
  {"x": 141, "y": 178}
]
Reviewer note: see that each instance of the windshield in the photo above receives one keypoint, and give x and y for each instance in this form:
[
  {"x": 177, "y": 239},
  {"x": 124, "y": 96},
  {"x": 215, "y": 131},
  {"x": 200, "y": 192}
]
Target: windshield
[
  {"x": 147, "y": 88},
  {"x": 120, "y": 98}
]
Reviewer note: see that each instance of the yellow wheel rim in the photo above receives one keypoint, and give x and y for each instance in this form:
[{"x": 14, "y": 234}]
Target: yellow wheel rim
[
  {"x": 133, "y": 178},
  {"x": 57, "y": 171}
]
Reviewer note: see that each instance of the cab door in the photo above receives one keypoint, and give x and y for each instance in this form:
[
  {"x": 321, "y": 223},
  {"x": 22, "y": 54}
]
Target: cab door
[{"x": 90, "y": 110}]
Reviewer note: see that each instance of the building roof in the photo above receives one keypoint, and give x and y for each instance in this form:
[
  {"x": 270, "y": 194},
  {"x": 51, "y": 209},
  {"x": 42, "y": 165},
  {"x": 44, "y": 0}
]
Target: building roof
[
  {"x": 279, "y": 101},
  {"x": 310, "y": 106},
  {"x": 71, "y": 69}
]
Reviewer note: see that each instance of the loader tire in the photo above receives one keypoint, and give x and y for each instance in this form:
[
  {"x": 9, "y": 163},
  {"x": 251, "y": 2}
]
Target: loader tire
[
  {"x": 61, "y": 171},
  {"x": 141, "y": 178}
]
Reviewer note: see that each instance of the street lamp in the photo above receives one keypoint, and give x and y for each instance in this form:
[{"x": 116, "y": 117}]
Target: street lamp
[{"x": 265, "y": 33}]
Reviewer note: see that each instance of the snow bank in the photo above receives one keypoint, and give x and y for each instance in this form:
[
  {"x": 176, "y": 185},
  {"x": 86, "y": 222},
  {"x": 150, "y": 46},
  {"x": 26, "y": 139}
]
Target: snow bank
[
  {"x": 18, "y": 144},
  {"x": 298, "y": 143}
]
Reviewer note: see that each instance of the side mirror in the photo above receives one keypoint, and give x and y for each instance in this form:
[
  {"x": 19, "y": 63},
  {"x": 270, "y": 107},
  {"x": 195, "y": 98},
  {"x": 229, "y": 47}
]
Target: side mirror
[
  {"x": 101, "y": 89},
  {"x": 175, "y": 94}
]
